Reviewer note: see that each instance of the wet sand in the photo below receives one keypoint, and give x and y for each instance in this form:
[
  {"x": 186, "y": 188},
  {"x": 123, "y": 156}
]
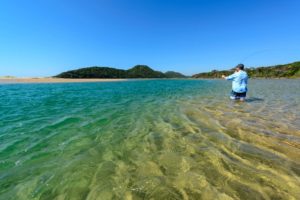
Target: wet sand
[{"x": 54, "y": 80}]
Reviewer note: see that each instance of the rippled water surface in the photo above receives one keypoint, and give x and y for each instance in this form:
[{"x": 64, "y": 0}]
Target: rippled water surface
[{"x": 154, "y": 139}]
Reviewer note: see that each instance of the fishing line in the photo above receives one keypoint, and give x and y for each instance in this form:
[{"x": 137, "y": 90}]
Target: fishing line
[
  {"x": 265, "y": 50},
  {"x": 253, "y": 54}
]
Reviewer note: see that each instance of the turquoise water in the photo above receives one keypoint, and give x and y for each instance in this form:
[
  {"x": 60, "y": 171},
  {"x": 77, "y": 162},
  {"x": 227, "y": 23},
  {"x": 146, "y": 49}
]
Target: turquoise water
[{"x": 153, "y": 139}]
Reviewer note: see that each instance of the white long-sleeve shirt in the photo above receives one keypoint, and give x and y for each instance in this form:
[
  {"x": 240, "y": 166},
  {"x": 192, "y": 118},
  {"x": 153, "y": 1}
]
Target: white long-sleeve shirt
[{"x": 239, "y": 81}]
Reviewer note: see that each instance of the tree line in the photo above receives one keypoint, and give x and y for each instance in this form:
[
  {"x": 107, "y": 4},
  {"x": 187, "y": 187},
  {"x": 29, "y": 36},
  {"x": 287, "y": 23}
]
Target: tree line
[
  {"x": 138, "y": 71},
  {"x": 291, "y": 70}
]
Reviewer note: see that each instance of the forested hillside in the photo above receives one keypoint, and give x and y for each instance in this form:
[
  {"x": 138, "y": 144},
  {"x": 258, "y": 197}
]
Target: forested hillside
[{"x": 291, "y": 70}]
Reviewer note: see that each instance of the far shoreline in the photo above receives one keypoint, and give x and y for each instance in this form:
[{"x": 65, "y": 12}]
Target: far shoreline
[
  {"x": 56, "y": 80},
  {"x": 15, "y": 80}
]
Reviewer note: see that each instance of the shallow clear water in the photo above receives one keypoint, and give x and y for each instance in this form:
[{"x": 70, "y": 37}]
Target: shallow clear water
[{"x": 153, "y": 139}]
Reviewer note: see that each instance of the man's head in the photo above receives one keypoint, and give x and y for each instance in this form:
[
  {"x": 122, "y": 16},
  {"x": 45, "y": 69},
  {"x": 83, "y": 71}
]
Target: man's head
[{"x": 239, "y": 67}]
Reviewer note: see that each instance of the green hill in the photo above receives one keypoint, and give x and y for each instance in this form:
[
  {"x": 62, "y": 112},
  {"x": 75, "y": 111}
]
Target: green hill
[
  {"x": 143, "y": 71},
  {"x": 291, "y": 70},
  {"x": 171, "y": 74},
  {"x": 138, "y": 71},
  {"x": 94, "y": 72}
]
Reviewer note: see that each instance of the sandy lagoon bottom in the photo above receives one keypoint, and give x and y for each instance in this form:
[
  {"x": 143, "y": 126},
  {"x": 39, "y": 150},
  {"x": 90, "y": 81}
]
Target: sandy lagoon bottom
[{"x": 154, "y": 139}]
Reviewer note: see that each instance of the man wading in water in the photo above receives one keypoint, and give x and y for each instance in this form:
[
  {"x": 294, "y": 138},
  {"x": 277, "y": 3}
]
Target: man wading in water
[{"x": 239, "y": 83}]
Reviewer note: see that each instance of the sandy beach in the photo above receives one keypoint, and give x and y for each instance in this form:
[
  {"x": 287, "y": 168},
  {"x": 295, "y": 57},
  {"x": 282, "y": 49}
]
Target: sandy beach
[{"x": 54, "y": 80}]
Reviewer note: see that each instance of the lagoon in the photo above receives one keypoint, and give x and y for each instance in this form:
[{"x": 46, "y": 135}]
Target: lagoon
[{"x": 150, "y": 139}]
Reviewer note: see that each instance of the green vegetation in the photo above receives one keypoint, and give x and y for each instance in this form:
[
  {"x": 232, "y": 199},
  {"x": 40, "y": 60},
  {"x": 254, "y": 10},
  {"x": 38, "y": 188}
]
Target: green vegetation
[
  {"x": 94, "y": 72},
  {"x": 138, "y": 71},
  {"x": 291, "y": 70},
  {"x": 171, "y": 74},
  {"x": 213, "y": 74},
  {"x": 143, "y": 71}
]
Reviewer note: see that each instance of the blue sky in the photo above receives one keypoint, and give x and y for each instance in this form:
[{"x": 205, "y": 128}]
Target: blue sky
[{"x": 46, "y": 37}]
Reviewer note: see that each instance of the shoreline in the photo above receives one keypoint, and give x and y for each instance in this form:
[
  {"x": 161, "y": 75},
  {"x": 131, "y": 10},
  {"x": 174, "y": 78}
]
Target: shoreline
[
  {"x": 56, "y": 80},
  {"x": 258, "y": 78},
  {"x": 5, "y": 80}
]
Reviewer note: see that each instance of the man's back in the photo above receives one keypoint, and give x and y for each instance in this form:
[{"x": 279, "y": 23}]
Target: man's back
[{"x": 239, "y": 81}]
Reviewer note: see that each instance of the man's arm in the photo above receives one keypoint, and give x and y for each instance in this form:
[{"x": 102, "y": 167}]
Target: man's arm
[{"x": 232, "y": 76}]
